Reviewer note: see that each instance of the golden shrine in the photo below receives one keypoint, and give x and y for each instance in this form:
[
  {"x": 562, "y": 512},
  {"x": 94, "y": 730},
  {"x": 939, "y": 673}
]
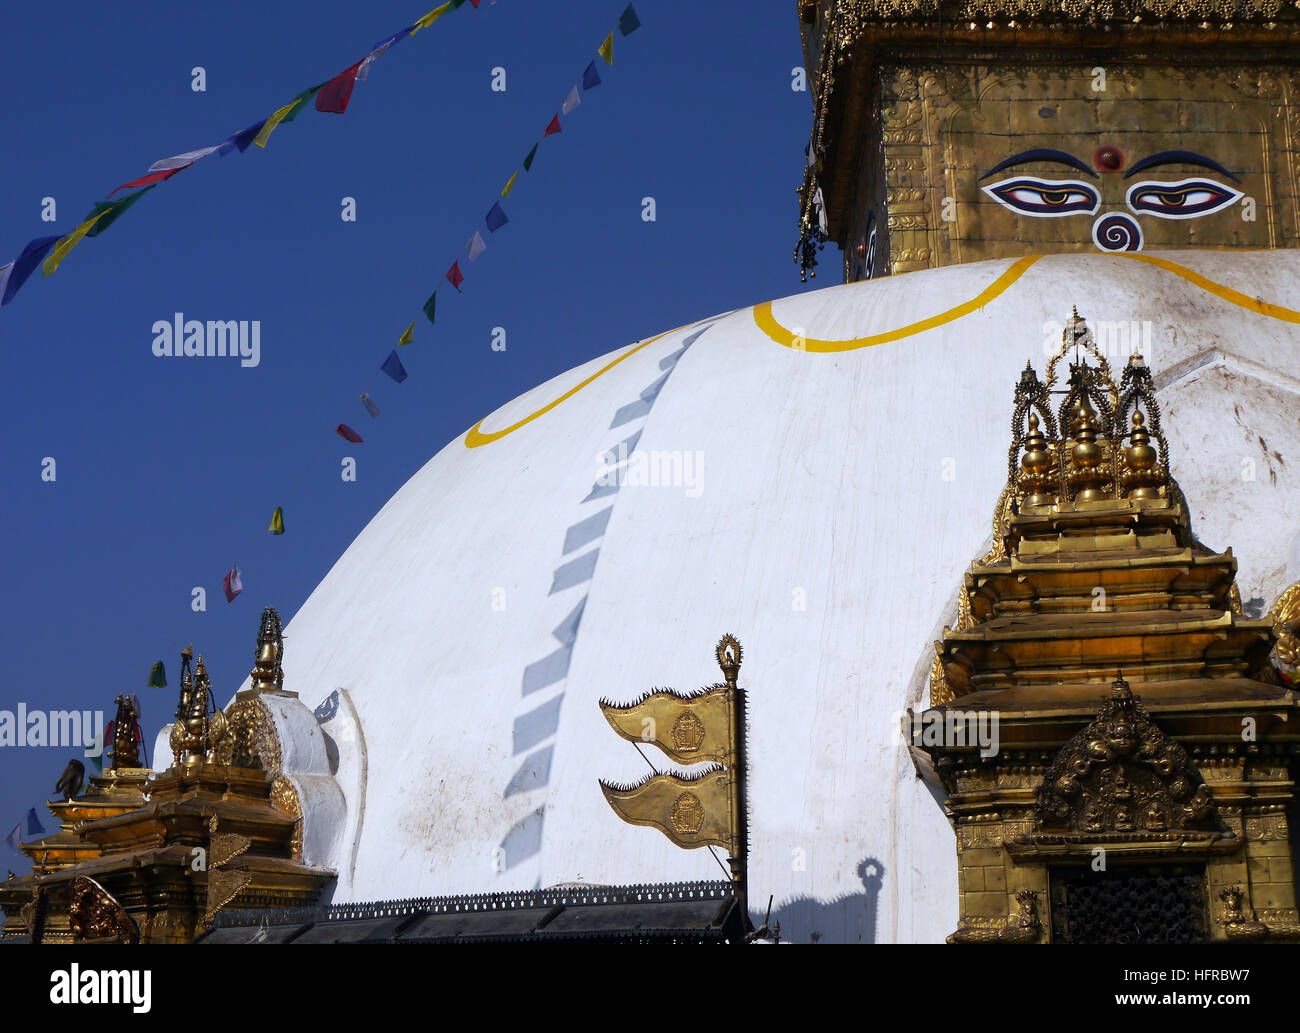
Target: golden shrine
[
  {"x": 151, "y": 857},
  {"x": 1141, "y": 781}
]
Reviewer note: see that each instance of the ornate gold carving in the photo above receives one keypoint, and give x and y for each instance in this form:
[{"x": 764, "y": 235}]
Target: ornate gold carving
[
  {"x": 687, "y": 815},
  {"x": 284, "y": 797},
  {"x": 1022, "y": 927},
  {"x": 1285, "y": 616},
  {"x": 224, "y": 883},
  {"x": 95, "y": 914},
  {"x": 1240, "y": 922},
  {"x": 252, "y": 741},
  {"x": 1123, "y": 776}
]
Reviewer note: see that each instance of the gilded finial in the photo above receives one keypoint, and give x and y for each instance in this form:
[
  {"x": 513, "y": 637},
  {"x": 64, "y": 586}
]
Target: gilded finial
[
  {"x": 729, "y": 657},
  {"x": 267, "y": 674}
]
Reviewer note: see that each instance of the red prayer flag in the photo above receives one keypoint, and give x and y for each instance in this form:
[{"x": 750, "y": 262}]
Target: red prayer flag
[
  {"x": 455, "y": 275},
  {"x": 348, "y": 434},
  {"x": 153, "y": 177},
  {"x": 554, "y": 127},
  {"x": 336, "y": 93},
  {"x": 233, "y": 584}
]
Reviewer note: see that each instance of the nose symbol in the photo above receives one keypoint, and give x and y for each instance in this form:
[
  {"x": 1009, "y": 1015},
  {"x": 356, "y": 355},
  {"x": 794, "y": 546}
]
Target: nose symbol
[{"x": 1117, "y": 233}]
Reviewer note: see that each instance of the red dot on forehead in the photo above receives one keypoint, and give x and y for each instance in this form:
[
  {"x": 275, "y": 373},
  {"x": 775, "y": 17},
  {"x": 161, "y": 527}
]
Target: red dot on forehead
[{"x": 1110, "y": 159}]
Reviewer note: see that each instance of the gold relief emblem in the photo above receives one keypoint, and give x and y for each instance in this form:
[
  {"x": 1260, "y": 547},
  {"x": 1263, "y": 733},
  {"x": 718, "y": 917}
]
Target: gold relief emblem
[
  {"x": 688, "y": 733},
  {"x": 687, "y": 816}
]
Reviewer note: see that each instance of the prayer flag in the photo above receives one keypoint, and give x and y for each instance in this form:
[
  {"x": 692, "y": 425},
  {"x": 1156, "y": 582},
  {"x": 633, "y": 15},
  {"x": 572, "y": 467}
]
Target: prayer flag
[
  {"x": 233, "y": 584},
  {"x": 476, "y": 246},
  {"x": 554, "y": 127},
  {"x": 571, "y": 101},
  {"x": 277, "y": 521},
  {"x": 430, "y": 18},
  {"x": 455, "y": 276},
  {"x": 268, "y": 127},
  {"x": 113, "y": 210},
  {"x": 528, "y": 162},
  {"x": 67, "y": 243},
  {"x": 628, "y": 22},
  {"x": 180, "y": 161},
  {"x": 245, "y": 137},
  {"x": 348, "y": 434},
  {"x": 496, "y": 218},
  {"x": 379, "y": 51},
  {"x": 335, "y": 94},
  {"x": 607, "y": 49},
  {"x": 393, "y": 367},
  {"x": 155, "y": 177},
  {"x": 430, "y": 305},
  {"x": 34, "y": 824},
  {"x": 25, "y": 264},
  {"x": 5, "y": 270},
  {"x": 371, "y": 407},
  {"x": 590, "y": 77},
  {"x": 510, "y": 186},
  {"x": 300, "y": 101},
  {"x": 15, "y": 839},
  {"x": 158, "y": 676},
  {"x": 408, "y": 335}
]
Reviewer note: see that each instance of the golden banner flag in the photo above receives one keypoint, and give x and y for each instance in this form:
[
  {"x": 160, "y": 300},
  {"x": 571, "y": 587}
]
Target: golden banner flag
[
  {"x": 692, "y": 812},
  {"x": 689, "y": 729}
]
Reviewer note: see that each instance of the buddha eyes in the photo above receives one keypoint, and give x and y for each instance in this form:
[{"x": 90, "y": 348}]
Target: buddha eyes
[
  {"x": 1186, "y": 199},
  {"x": 1045, "y": 198}
]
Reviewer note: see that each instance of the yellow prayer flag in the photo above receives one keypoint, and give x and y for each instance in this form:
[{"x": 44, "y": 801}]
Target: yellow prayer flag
[
  {"x": 607, "y": 50},
  {"x": 65, "y": 245},
  {"x": 510, "y": 185},
  {"x": 277, "y": 521},
  {"x": 430, "y": 18},
  {"x": 409, "y": 335},
  {"x": 269, "y": 127}
]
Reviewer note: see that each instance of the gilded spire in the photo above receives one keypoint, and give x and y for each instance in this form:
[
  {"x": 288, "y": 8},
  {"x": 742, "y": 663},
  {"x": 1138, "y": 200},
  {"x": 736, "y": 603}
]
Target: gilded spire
[{"x": 267, "y": 674}]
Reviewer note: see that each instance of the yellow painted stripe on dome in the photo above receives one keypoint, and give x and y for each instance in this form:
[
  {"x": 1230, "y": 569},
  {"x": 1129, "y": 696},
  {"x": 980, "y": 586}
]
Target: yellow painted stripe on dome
[
  {"x": 476, "y": 437},
  {"x": 1245, "y": 301},
  {"x": 768, "y": 324}
]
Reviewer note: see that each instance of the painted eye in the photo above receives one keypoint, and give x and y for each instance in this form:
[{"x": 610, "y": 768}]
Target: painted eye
[
  {"x": 1186, "y": 199},
  {"x": 1044, "y": 198}
]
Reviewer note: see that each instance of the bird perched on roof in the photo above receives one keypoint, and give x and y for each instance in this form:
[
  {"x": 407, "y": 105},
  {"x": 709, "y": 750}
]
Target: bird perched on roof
[{"x": 72, "y": 779}]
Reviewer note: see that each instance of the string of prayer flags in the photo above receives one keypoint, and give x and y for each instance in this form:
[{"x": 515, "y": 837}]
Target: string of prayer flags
[
  {"x": 285, "y": 114},
  {"x": 408, "y": 335},
  {"x": 151, "y": 178},
  {"x": 628, "y": 22},
  {"x": 428, "y": 309},
  {"x": 393, "y": 367},
  {"x": 476, "y": 246},
  {"x": 245, "y": 137},
  {"x": 158, "y": 675},
  {"x": 553, "y": 128},
  {"x": 371, "y": 407},
  {"x": 348, "y": 434},
  {"x": 496, "y": 218},
  {"x": 277, "y": 521},
  {"x": 430, "y": 18},
  {"x": 528, "y": 162},
  {"x": 571, "y": 101},
  {"x": 24, "y": 265},
  {"x": 607, "y": 50},
  {"x": 454, "y": 276},
  {"x": 233, "y": 584},
  {"x": 590, "y": 77},
  {"x": 34, "y": 824},
  {"x": 379, "y": 51},
  {"x": 181, "y": 161}
]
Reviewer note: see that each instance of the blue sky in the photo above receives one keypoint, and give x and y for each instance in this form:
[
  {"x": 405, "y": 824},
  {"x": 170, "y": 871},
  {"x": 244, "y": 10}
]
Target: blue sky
[{"x": 168, "y": 470}]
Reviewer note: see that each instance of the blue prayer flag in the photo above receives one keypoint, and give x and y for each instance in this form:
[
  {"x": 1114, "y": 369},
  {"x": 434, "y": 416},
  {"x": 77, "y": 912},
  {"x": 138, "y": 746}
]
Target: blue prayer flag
[
  {"x": 26, "y": 263},
  {"x": 590, "y": 77},
  {"x": 33, "y": 825},
  {"x": 245, "y": 136},
  {"x": 393, "y": 367},
  {"x": 15, "y": 839},
  {"x": 496, "y": 218}
]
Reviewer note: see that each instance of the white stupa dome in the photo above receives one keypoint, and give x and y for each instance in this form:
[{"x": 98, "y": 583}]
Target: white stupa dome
[{"x": 827, "y": 500}]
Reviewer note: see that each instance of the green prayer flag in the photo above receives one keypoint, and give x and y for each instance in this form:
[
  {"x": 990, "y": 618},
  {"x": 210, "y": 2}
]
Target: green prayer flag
[
  {"x": 429, "y": 305},
  {"x": 114, "y": 210},
  {"x": 300, "y": 101},
  {"x": 528, "y": 162},
  {"x": 158, "y": 676}
]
